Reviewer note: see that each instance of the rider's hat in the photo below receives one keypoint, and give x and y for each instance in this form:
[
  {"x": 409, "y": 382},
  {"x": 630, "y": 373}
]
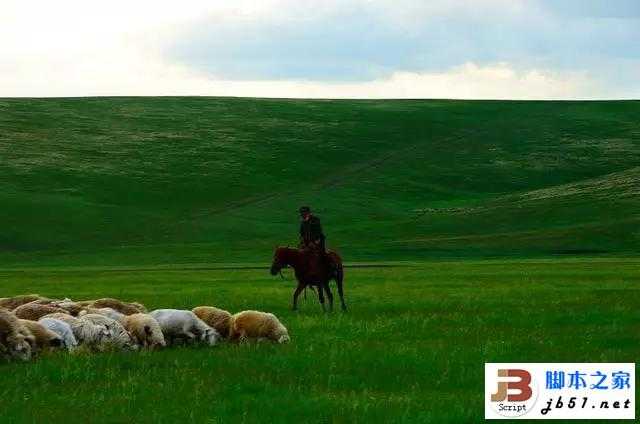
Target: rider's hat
[{"x": 304, "y": 209}]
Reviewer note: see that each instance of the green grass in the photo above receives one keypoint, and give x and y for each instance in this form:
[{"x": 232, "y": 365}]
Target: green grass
[
  {"x": 135, "y": 181},
  {"x": 513, "y": 227},
  {"x": 411, "y": 349}
]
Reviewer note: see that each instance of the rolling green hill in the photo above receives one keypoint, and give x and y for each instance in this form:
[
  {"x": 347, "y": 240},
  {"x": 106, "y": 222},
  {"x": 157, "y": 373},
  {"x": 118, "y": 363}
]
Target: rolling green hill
[{"x": 124, "y": 181}]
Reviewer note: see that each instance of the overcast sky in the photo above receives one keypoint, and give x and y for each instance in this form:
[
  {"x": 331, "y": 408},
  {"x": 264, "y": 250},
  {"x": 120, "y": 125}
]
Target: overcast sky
[{"x": 517, "y": 49}]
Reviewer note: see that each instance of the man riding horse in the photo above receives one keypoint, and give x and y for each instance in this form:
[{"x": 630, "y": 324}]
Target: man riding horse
[
  {"x": 313, "y": 265},
  {"x": 311, "y": 236}
]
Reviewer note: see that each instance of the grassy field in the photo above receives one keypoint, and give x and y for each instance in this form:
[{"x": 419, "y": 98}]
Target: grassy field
[
  {"x": 513, "y": 228},
  {"x": 411, "y": 349},
  {"x": 136, "y": 181}
]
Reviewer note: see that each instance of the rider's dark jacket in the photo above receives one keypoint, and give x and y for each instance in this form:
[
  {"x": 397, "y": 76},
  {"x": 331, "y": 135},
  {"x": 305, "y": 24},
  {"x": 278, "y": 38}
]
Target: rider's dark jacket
[{"x": 311, "y": 231}]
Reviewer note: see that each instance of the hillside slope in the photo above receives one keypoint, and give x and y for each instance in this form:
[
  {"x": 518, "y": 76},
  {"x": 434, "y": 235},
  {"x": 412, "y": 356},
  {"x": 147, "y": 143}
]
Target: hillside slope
[{"x": 191, "y": 180}]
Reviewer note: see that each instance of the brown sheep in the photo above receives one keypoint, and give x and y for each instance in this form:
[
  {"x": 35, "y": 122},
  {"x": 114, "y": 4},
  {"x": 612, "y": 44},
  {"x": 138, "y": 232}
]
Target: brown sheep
[
  {"x": 15, "y": 340},
  {"x": 214, "y": 317},
  {"x": 33, "y": 311},
  {"x": 71, "y": 307},
  {"x": 44, "y": 338},
  {"x": 257, "y": 325},
  {"x": 12, "y": 303},
  {"x": 68, "y": 305},
  {"x": 44, "y": 301},
  {"x": 107, "y": 312},
  {"x": 120, "y": 306},
  {"x": 29, "y": 338},
  {"x": 145, "y": 330}
]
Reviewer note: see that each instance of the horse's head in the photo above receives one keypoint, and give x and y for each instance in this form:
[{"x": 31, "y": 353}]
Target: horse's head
[{"x": 280, "y": 260}]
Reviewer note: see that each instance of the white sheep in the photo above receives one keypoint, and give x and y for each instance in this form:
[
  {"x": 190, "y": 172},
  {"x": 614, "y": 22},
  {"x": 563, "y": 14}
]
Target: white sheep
[
  {"x": 118, "y": 336},
  {"x": 62, "y": 329},
  {"x": 14, "y": 342},
  {"x": 145, "y": 330},
  {"x": 179, "y": 324},
  {"x": 85, "y": 332},
  {"x": 257, "y": 325}
]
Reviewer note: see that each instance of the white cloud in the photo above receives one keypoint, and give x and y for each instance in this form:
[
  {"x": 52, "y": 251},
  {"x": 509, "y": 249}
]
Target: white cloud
[
  {"x": 135, "y": 73},
  {"x": 468, "y": 81},
  {"x": 80, "y": 48}
]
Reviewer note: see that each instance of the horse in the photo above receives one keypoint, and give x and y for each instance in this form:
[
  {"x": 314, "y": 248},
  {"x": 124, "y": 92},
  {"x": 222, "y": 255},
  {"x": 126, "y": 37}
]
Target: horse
[{"x": 310, "y": 270}]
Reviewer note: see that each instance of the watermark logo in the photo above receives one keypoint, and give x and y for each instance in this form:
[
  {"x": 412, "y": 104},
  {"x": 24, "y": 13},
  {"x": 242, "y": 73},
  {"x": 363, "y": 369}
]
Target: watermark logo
[
  {"x": 514, "y": 395},
  {"x": 560, "y": 391}
]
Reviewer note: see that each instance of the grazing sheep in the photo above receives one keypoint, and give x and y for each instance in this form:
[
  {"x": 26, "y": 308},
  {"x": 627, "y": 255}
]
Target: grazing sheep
[
  {"x": 71, "y": 307},
  {"x": 62, "y": 329},
  {"x": 29, "y": 338},
  {"x": 13, "y": 343},
  {"x": 214, "y": 317},
  {"x": 145, "y": 330},
  {"x": 185, "y": 325},
  {"x": 85, "y": 332},
  {"x": 120, "y": 306},
  {"x": 33, "y": 311},
  {"x": 107, "y": 312},
  {"x": 255, "y": 324},
  {"x": 11, "y": 303},
  {"x": 46, "y": 301},
  {"x": 45, "y": 338},
  {"x": 140, "y": 307},
  {"x": 119, "y": 337}
]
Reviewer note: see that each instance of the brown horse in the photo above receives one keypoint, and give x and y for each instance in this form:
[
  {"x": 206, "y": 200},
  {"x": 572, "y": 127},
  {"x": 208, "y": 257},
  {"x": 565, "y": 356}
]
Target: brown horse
[{"x": 310, "y": 270}]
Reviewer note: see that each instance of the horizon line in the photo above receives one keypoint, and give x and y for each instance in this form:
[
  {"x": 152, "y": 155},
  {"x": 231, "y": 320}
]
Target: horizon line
[{"x": 630, "y": 99}]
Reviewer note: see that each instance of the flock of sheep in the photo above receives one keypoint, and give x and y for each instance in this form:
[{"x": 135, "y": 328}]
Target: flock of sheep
[{"x": 30, "y": 324}]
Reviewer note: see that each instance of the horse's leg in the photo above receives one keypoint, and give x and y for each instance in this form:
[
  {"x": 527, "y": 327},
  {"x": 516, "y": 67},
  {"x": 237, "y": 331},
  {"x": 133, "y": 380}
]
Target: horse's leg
[
  {"x": 321, "y": 297},
  {"x": 296, "y": 294},
  {"x": 329, "y": 295},
  {"x": 339, "y": 278}
]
